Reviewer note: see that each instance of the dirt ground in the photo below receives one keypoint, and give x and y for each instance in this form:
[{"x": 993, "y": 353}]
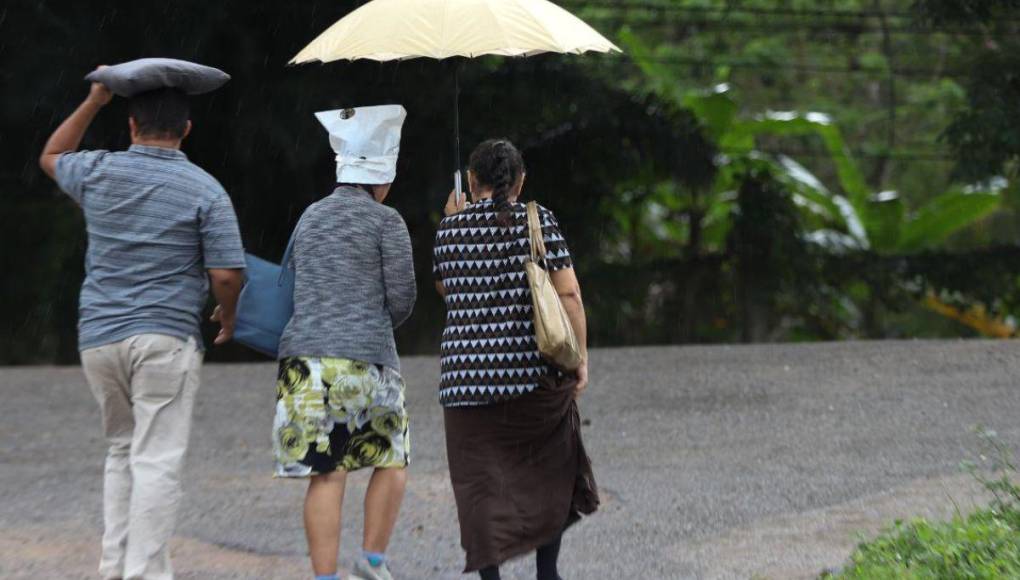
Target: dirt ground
[{"x": 765, "y": 461}]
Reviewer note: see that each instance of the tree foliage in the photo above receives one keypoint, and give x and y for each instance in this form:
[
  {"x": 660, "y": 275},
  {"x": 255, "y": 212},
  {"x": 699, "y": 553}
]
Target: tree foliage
[{"x": 818, "y": 118}]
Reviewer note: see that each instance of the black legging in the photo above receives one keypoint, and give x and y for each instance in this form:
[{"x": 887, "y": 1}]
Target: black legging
[{"x": 545, "y": 561}]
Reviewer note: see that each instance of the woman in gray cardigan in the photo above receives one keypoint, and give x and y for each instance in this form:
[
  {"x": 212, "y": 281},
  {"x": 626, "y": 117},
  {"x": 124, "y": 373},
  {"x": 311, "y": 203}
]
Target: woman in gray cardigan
[{"x": 340, "y": 397}]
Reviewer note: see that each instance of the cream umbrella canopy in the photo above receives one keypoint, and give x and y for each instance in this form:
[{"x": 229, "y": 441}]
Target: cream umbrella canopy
[
  {"x": 384, "y": 30},
  {"x": 401, "y": 29}
]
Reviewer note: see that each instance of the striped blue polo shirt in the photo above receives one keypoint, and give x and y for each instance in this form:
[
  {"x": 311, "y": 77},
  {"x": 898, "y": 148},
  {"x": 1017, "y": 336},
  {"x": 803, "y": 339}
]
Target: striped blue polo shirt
[{"x": 155, "y": 223}]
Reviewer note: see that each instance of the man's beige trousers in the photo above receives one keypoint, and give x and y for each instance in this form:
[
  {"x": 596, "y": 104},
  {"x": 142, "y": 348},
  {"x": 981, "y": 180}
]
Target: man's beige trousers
[{"x": 145, "y": 387}]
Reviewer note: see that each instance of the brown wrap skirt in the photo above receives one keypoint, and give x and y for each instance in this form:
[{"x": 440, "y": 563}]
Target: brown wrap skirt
[{"x": 520, "y": 473}]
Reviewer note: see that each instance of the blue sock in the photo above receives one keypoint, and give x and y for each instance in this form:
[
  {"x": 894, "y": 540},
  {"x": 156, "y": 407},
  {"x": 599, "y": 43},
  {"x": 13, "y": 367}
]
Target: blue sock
[
  {"x": 375, "y": 559},
  {"x": 328, "y": 577}
]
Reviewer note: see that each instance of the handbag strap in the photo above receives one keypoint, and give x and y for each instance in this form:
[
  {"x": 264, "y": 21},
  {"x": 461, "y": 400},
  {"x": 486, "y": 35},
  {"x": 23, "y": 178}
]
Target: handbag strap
[
  {"x": 285, "y": 262},
  {"x": 535, "y": 233}
]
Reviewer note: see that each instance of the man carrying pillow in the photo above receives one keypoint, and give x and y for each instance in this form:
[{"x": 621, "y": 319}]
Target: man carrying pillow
[{"x": 159, "y": 229}]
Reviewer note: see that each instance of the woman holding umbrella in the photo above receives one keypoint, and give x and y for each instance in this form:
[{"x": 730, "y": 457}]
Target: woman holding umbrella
[
  {"x": 519, "y": 470},
  {"x": 340, "y": 397},
  {"x": 496, "y": 389}
]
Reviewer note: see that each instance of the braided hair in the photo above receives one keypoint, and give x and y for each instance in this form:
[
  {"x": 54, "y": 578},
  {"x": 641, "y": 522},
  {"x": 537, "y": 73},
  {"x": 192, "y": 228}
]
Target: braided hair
[{"x": 496, "y": 163}]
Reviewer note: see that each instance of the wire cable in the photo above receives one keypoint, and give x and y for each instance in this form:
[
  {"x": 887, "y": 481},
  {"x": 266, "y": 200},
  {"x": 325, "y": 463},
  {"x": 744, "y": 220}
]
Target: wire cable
[
  {"x": 812, "y": 68},
  {"x": 753, "y": 10}
]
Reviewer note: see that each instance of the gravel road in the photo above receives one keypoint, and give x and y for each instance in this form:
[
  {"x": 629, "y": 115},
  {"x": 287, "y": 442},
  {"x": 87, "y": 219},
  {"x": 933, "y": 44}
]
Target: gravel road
[{"x": 762, "y": 461}]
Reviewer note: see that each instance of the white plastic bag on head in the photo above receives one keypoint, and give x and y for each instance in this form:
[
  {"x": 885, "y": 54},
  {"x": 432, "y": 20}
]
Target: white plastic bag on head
[{"x": 366, "y": 141}]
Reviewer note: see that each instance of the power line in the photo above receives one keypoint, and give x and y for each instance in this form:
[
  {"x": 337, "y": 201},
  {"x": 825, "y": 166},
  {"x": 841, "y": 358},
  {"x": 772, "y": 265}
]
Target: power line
[
  {"x": 776, "y": 11},
  {"x": 746, "y": 64},
  {"x": 831, "y": 27},
  {"x": 752, "y": 10},
  {"x": 905, "y": 156}
]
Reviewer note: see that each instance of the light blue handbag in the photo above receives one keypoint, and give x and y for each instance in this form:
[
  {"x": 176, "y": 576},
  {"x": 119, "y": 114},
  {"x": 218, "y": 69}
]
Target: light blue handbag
[{"x": 266, "y": 302}]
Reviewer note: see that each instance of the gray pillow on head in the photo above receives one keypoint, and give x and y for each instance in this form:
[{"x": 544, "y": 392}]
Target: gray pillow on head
[{"x": 146, "y": 74}]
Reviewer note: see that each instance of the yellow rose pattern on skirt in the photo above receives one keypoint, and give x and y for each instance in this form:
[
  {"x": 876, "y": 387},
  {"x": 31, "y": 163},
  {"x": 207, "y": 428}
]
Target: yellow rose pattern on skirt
[{"x": 338, "y": 414}]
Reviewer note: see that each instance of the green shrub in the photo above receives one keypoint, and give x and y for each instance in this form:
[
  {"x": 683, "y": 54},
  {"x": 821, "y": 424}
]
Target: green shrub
[{"x": 983, "y": 545}]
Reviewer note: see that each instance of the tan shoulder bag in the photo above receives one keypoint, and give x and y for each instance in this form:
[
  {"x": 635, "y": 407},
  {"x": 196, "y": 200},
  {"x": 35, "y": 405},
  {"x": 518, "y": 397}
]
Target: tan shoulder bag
[{"x": 553, "y": 331}]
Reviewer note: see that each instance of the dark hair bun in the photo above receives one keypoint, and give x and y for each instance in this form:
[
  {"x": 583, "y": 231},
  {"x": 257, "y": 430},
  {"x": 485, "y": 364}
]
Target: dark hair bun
[{"x": 497, "y": 164}]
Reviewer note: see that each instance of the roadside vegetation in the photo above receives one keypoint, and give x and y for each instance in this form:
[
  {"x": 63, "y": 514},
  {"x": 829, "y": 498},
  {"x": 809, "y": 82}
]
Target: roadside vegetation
[{"x": 982, "y": 545}]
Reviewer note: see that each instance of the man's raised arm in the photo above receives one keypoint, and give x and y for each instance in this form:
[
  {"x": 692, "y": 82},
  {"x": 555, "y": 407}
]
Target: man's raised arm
[{"x": 68, "y": 135}]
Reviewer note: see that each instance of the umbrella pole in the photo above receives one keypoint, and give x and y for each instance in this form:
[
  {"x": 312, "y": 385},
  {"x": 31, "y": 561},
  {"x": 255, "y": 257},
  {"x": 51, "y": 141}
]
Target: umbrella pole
[{"x": 456, "y": 125}]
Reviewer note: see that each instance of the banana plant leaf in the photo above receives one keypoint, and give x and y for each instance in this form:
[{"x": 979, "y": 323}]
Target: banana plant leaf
[{"x": 944, "y": 216}]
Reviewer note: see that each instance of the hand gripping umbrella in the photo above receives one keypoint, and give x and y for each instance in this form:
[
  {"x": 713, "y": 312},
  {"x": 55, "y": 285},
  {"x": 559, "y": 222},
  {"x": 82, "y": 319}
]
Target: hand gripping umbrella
[{"x": 384, "y": 30}]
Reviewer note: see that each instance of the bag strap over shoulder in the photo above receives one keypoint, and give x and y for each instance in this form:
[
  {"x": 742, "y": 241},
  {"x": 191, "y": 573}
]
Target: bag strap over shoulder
[
  {"x": 535, "y": 233},
  {"x": 285, "y": 262}
]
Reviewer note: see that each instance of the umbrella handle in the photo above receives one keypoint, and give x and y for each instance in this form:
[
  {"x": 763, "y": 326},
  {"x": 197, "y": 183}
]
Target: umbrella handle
[{"x": 456, "y": 129}]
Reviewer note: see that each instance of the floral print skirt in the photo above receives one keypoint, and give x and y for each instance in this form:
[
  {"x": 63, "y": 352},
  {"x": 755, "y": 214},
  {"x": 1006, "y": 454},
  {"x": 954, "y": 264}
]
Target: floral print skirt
[{"x": 338, "y": 414}]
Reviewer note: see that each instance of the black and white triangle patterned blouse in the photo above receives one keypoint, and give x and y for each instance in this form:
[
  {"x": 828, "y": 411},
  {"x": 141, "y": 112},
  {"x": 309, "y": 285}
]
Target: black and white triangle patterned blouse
[{"x": 488, "y": 351}]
